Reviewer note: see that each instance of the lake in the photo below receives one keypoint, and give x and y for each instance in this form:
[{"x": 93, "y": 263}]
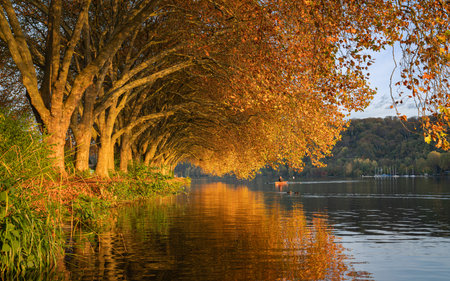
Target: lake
[{"x": 366, "y": 229}]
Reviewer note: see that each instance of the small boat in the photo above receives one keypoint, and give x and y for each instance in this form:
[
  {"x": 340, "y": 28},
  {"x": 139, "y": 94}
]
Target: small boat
[{"x": 281, "y": 183}]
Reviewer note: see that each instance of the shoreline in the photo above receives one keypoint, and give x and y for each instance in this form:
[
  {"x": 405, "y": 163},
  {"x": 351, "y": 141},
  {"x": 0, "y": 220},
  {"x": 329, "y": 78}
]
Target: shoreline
[{"x": 58, "y": 209}]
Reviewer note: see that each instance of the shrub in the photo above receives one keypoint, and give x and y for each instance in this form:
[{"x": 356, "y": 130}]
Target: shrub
[
  {"x": 143, "y": 182},
  {"x": 89, "y": 209}
]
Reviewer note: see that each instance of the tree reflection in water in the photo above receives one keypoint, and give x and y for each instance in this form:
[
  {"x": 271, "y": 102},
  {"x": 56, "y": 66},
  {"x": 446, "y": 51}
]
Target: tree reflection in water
[{"x": 217, "y": 232}]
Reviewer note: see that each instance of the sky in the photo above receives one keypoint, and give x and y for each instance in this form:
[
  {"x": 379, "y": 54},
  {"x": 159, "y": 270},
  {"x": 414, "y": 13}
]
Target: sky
[{"x": 380, "y": 73}]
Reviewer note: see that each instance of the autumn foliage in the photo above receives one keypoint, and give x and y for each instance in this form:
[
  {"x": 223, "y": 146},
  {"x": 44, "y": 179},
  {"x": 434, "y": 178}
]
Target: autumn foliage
[{"x": 229, "y": 85}]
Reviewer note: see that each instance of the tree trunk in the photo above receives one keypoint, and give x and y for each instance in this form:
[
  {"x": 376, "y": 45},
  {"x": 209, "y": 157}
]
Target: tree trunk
[
  {"x": 83, "y": 148},
  {"x": 164, "y": 167},
  {"x": 106, "y": 151},
  {"x": 167, "y": 166},
  {"x": 150, "y": 154},
  {"x": 111, "y": 162},
  {"x": 147, "y": 158},
  {"x": 103, "y": 157},
  {"x": 82, "y": 129},
  {"x": 136, "y": 155},
  {"x": 125, "y": 152},
  {"x": 57, "y": 140}
]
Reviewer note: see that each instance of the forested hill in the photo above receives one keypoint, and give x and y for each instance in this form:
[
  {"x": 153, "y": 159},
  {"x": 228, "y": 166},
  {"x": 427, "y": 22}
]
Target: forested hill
[
  {"x": 381, "y": 146},
  {"x": 377, "y": 139}
]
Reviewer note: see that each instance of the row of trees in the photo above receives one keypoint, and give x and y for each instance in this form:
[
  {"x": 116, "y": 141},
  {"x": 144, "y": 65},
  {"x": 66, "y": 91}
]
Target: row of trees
[{"x": 228, "y": 85}]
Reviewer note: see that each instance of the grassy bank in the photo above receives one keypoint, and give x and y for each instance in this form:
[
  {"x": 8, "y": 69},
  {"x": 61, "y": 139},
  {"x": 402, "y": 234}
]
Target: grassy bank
[{"x": 35, "y": 204}]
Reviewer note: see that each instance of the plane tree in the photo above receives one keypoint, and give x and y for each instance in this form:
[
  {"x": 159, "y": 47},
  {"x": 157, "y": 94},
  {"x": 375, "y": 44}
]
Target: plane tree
[
  {"x": 316, "y": 67},
  {"x": 43, "y": 44},
  {"x": 159, "y": 143},
  {"x": 290, "y": 77}
]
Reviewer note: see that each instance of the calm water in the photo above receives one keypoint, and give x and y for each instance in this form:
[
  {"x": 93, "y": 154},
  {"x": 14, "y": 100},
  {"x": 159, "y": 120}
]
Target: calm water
[{"x": 368, "y": 229}]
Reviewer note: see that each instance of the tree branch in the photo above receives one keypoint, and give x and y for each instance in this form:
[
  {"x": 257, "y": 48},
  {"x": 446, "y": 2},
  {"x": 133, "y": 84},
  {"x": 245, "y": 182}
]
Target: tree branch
[
  {"x": 108, "y": 101},
  {"x": 22, "y": 57},
  {"x": 83, "y": 80},
  {"x": 141, "y": 120},
  {"x": 72, "y": 43}
]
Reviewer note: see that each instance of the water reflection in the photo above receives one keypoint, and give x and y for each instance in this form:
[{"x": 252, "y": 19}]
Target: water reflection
[
  {"x": 399, "y": 227},
  {"x": 217, "y": 232}
]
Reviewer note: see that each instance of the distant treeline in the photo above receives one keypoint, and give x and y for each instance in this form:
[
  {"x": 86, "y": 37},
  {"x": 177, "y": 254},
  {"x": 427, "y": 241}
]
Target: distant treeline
[
  {"x": 378, "y": 146},
  {"x": 368, "y": 147}
]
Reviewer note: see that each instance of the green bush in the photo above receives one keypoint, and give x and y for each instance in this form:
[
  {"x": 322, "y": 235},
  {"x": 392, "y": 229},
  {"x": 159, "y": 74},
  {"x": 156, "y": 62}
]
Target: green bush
[
  {"x": 89, "y": 210},
  {"x": 143, "y": 172},
  {"x": 143, "y": 182}
]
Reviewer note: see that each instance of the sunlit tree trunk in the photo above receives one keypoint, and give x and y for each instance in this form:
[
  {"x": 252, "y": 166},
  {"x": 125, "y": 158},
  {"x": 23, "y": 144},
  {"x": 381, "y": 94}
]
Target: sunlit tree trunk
[
  {"x": 83, "y": 150},
  {"x": 82, "y": 130},
  {"x": 83, "y": 118},
  {"x": 103, "y": 164},
  {"x": 125, "y": 152},
  {"x": 147, "y": 157},
  {"x": 56, "y": 140},
  {"x": 105, "y": 160},
  {"x": 111, "y": 157},
  {"x": 169, "y": 160},
  {"x": 151, "y": 151}
]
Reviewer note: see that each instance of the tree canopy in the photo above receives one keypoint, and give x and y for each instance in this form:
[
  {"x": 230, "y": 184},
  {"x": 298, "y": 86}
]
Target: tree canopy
[{"x": 228, "y": 85}]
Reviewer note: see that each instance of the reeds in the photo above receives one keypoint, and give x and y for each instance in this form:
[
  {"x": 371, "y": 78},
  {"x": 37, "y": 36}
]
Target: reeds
[
  {"x": 30, "y": 236},
  {"x": 29, "y": 242}
]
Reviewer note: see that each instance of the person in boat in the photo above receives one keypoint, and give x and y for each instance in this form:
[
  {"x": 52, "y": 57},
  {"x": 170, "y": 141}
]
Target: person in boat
[{"x": 280, "y": 179}]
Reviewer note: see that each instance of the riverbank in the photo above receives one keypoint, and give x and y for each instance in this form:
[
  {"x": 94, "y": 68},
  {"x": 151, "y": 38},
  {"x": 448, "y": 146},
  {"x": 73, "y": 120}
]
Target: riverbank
[
  {"x": 38, "y": 207},
  {"x": 38, "y": 215}
]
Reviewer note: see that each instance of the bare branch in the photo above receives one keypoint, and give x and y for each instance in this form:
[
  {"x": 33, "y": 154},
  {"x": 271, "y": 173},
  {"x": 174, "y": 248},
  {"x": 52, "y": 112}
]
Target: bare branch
[{"x": 73, "y": 42}]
